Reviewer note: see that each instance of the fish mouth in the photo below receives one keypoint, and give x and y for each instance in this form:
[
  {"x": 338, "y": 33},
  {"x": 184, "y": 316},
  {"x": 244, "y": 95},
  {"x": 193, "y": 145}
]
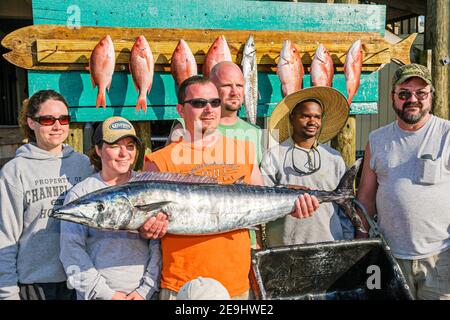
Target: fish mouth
[
  {"x": 288, "y": 61},
  {"x": 72, "y": 214},
  {"x": 321, "y": 59}
]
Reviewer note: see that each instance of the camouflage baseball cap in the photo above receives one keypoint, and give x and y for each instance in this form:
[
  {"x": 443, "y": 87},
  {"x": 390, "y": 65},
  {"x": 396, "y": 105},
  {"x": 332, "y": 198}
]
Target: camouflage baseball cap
[{"x": 411, "y": 70}]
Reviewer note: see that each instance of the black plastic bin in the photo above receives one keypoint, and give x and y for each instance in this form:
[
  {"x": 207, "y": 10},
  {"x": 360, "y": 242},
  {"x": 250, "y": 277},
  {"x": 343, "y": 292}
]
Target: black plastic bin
[{"x": 341, "y": 270}]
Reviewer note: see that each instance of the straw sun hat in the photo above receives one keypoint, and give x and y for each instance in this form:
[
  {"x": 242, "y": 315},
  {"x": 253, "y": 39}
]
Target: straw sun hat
[{"x": 335, "y": 112}]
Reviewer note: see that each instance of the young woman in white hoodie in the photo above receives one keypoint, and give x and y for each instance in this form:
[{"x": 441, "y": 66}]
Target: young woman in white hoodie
[
  {"x": 33, "y": 184},
  {"x": 111, "y": 265}
]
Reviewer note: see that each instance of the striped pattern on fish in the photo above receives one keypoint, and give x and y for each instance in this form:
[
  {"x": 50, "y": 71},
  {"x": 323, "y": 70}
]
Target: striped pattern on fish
[{"x": 250, "y": 71}]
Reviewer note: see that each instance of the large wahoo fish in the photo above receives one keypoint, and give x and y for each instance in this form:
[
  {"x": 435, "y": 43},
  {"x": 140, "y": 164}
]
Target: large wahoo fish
[{"x": 194, "y": 205}]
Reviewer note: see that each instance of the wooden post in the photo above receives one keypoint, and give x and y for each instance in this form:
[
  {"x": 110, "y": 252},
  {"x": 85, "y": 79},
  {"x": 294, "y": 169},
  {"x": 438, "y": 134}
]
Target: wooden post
[
  {"x": 438, "y": 40},
  {"x": 144, "y": 133},
  {"x": 75, "y": 138},
  {"x": 428, "y": 26},
  {"x": 345, "y": 141}
]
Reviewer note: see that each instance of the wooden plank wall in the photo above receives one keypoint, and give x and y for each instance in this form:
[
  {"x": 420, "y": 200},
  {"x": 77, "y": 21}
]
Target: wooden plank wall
[
  {"x": 11, "y": 138},
  {"x": 230, "y": 14},
  {"x": 367, "y": 123}
]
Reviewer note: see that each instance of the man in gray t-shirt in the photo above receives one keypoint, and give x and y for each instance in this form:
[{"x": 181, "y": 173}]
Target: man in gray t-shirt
[
  {"x": 406, "y": 181},
  {"x": 310, "y": 116}
]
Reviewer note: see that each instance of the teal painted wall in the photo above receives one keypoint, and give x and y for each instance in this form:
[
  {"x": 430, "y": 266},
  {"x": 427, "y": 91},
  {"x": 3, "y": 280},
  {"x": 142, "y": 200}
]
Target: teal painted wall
[{"x": 196, "y": 14}]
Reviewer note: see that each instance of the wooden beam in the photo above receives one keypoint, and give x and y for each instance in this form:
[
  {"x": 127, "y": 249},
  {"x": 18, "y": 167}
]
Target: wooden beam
[
  {"x": 77, "y": 88},
  {"x": 75, "y": 138},
  {"x": 11, "y": 135},
  {"x": 207, "y": 14},
  {"x": 19, "y": 9},
  {"x": 144, "y": 132},
  {"x": 439, "y": 42},
  {"x": 428, "y": 26},
  {"x": 413, "y": 24},
  {"x": 53, "y": 47},
  {"x": 399, "y": 16},
  {"x": 417, "y": 7},
  {"x": 345, "y": 141}
]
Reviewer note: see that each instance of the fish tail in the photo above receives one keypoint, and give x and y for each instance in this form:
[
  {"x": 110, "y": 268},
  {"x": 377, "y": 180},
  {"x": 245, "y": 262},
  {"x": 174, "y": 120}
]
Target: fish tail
[
  {"x": 401, "y": 47},
  {"x": 350, "y": 99},
  {"x": 101, "y": 99},
  {"x": 346, "y": 190},
  {"x": 141, "y": 104}
]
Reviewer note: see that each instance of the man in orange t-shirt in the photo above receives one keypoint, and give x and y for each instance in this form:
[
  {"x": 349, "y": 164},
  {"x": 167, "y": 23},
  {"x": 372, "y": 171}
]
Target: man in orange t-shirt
[{"x": 204, "y": 151}]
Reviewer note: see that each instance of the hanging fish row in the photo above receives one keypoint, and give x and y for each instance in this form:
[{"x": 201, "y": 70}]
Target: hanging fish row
[
  {"x": 290, "y": 69},
  {"x": 183, "y": 65},
  {"x": 102, "y": 63}
]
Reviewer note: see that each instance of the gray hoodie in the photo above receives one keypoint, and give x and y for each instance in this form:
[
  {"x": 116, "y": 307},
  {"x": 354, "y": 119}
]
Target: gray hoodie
[
  {"x": 99, "y": 263},
  {"x": 31, "y": 186}
]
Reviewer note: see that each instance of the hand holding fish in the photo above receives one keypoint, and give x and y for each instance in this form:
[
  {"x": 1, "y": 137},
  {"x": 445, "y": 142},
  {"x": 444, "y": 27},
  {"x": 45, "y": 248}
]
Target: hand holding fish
[
  {"x": 155, "y": 227},
  {"x": 190, "y": 200},
  {"x": 134, "y": 296},
  {"x": 305, "y": 206}
]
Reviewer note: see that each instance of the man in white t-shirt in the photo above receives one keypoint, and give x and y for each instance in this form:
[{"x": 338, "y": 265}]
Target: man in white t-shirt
[{"x": 406, "y": 182}]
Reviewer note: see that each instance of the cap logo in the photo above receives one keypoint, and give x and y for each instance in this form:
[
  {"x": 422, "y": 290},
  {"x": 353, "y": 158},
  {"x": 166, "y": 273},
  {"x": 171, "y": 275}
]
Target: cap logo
[{"x": 120, "y": 125}]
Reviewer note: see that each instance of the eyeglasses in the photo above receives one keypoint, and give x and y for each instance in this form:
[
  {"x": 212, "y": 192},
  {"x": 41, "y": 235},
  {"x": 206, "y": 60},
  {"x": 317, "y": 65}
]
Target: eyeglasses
[
  {"x": 313, "y": 161},
  {"x": 50, "y": 120},
  {"x": 199, "y": 103},
  {"x": 406, "y": 95}
]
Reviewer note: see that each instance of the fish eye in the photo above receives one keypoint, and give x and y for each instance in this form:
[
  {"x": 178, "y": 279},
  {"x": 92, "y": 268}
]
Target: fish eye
[{"x": 100, "y": 207}]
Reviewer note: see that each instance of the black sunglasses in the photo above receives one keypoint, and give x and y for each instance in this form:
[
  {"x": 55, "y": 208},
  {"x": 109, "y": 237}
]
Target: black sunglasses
[
  {"x": 199, "y": 103},
  {"x": 50, "y": 120}
]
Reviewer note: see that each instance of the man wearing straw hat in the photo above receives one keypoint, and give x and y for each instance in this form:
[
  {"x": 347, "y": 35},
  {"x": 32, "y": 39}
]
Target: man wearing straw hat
[{"x": 301, "y": 122}]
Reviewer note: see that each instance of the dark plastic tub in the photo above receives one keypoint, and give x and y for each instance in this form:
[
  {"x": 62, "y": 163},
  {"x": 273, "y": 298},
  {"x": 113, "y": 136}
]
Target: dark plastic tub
[{"x": 341, "y": 270}]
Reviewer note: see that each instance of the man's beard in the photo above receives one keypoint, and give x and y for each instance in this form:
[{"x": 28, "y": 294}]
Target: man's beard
[
  {"x": 301, "y": 132},
  {"x": 231, "y": 107},
  {"x": 410, "y": 118}
]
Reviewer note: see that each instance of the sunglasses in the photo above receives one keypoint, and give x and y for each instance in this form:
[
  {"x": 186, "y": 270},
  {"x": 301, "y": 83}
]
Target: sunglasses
[
  {"x": 199, "y": 103},
  {"x": 50, "y": 120},
  {"x": 406, "y": 95}
]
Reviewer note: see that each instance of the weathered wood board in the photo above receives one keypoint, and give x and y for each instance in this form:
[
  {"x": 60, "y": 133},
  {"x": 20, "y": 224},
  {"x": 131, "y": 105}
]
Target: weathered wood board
[
  {"x": 233, "y": 15},
  {"x": 212, "y": 14},
  {"x": 53, "y": 47},
  {"x": 77, "y": 88}
]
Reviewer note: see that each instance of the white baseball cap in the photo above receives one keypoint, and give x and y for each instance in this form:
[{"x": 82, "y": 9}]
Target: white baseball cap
[{"x": 203, "y": 289}]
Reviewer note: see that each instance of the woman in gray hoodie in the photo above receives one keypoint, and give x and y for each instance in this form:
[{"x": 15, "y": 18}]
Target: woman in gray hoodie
[
  {"x": 111, "y": 265},
  {"x": 31, "y": 186}
]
